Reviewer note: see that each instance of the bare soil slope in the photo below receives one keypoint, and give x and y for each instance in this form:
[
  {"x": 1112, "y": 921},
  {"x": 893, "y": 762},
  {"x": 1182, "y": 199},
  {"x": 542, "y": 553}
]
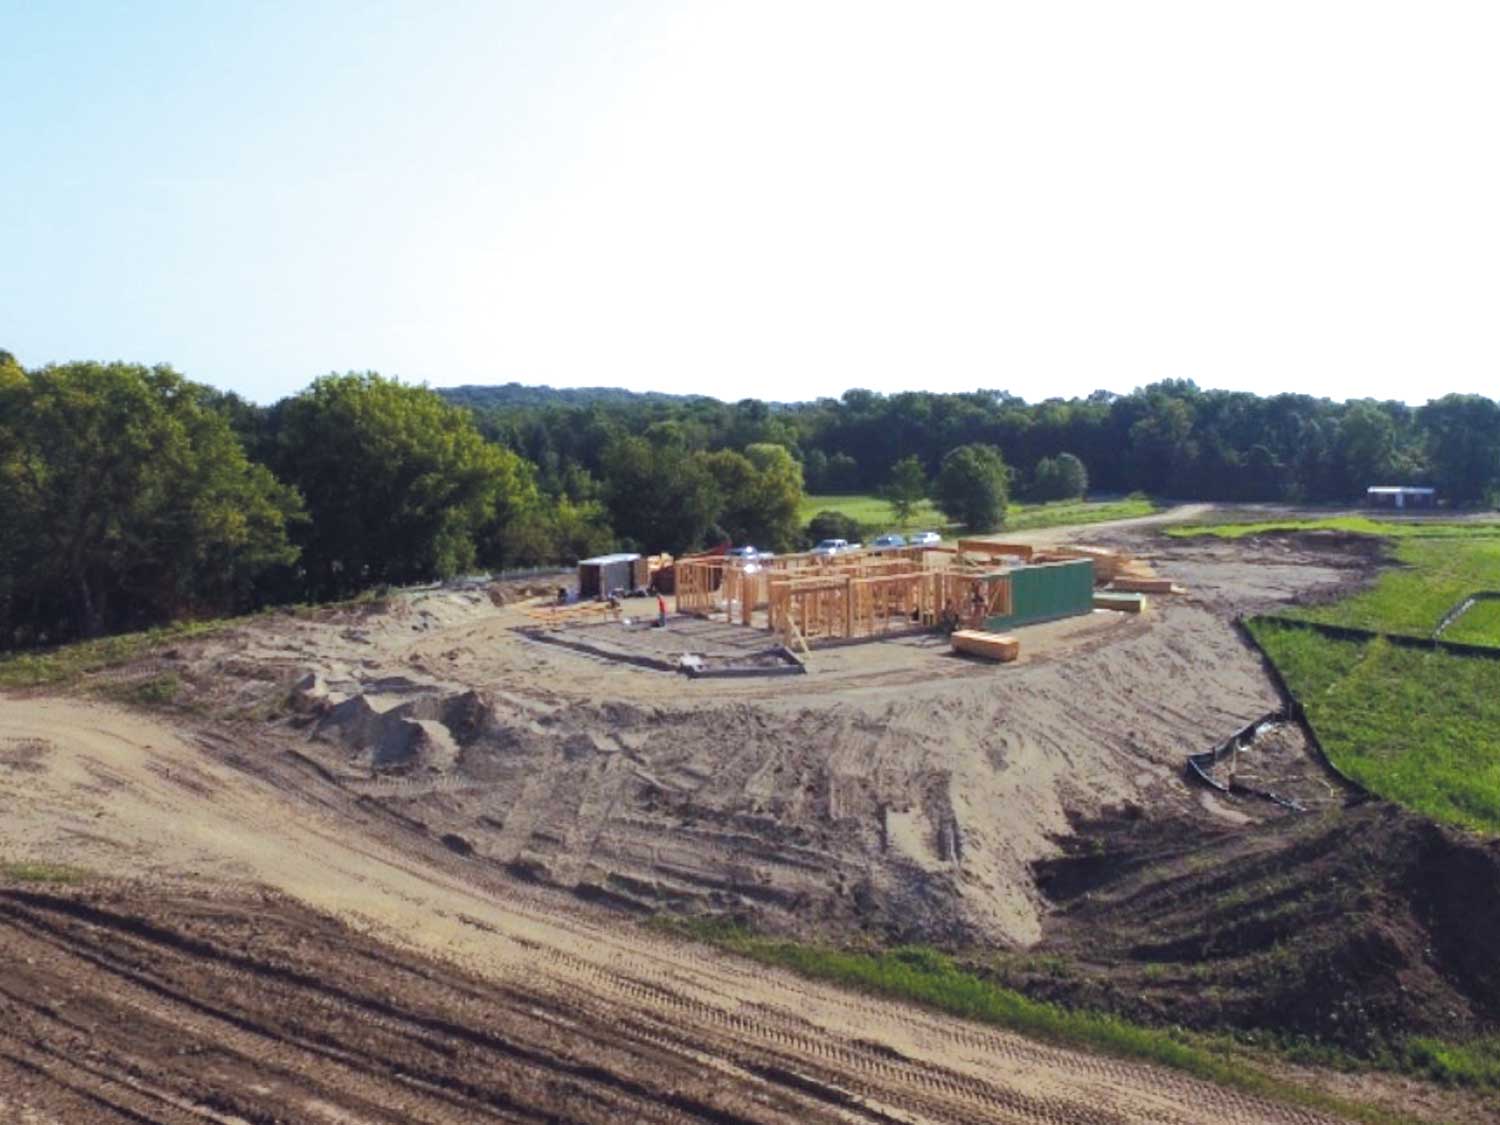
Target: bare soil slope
[
  {"x": 894, "y": 789},
  {"x": 1356, "y": 928},
  {"x": 159, "y": 1002}
]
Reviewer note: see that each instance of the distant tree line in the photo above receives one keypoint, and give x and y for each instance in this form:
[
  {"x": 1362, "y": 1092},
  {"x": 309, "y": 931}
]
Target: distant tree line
[
  {"x": 131, "y": 496},
  {"x": 1170, "y": 438}
]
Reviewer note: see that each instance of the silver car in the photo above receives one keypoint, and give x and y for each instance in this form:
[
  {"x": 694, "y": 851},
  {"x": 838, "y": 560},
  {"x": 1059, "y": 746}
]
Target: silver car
[
  {"x": 831, "y": 547},
  {"x": 925, "y": 539}
]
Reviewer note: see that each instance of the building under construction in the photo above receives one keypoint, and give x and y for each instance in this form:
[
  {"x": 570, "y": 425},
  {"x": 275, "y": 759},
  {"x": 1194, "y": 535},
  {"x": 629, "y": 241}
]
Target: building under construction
[{"x": 806, "y": 598}]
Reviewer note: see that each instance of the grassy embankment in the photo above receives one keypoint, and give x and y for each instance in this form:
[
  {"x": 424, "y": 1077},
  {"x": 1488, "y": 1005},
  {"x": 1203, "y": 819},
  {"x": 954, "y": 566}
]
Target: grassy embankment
[
  {"x": 1417, "y": 727},
  {"x": 71, "y": 663},
  {"x": 924, "y": 976},
  {"x": 875, "y": 514}
]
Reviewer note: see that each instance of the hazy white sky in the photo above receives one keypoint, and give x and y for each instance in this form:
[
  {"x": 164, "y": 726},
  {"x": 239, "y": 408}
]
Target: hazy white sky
[{"x": 778, "y": 200}]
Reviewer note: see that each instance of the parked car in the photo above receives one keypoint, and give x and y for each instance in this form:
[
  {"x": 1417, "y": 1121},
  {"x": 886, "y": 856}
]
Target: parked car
[
  {"x": 831, "y": 547},
  {"x": 887, "y": 541},
  {"x": 925, "y": 539},
  {"x": 742, "y": 554}
]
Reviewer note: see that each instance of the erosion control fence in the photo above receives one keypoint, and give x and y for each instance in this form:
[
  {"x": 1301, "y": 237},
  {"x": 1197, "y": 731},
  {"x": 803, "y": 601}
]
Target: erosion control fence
[
  {"x": 1463, "y": 607},
  {"x": 1405, "y": 640},
  {"x": 1201, "y": 765},
  {"x": 1291, "y": 709}
]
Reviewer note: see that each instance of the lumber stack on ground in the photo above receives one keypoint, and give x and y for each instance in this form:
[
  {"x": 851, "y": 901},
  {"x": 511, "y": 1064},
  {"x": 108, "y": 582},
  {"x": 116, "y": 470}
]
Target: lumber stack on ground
[
  {"x": 557, "y": 616},
  {"x": 992, "y": 548},
  {"x": 1107, "y": 562},
  {"x": 1133, "y": 585},
  {"x": 992, "y": 646},
  {"x": 1121, "y": 602}
]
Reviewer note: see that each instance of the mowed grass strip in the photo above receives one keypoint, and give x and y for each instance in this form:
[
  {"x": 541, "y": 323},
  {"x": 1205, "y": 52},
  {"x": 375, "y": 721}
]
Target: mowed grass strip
[
  {"x": 26, "y": 871},
  {"x": 922, "y": 975},
  {"x": 1416, "y": 726},
  {"x": 875, "y": 513},
  {"x": 1354, "y": 525},
  {"x": 1437, "y": 574}
]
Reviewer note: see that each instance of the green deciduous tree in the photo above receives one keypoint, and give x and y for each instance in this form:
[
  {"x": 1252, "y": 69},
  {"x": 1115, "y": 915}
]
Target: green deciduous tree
[
  {"x": 779, "y": 494},
  {"x": 906, "y": 489},
  {"x": 1060, "y": 478},
  {"x": 759, "y": 494},
  {"x": 973, "y": 487},
  {"x": 660, "y": 497},
  {"x": 833, "y": 525},
  {"x": 400, "y": 485},
  {"x": 1366, "y": 446},
  {"x": 128, "y": 501},
  {"x": 1463, "y": 445}
]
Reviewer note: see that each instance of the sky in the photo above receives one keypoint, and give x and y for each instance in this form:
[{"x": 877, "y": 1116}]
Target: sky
[{"x": 771, "y": 200}]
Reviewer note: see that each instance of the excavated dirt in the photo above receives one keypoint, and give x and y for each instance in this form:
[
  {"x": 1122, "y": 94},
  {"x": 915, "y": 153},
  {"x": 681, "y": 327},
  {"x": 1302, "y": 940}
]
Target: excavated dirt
[
  {"x": 447, "y": 993},
  {"x": 426, "y": 773},
  {"x": 1357, "y": 927},
  {"x": 894, "y": 789},
  {"x": 826, "y": 802}
]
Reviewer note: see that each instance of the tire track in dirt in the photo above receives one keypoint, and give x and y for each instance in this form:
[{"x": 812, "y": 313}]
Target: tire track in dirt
[{"x": 530, "y": 990}]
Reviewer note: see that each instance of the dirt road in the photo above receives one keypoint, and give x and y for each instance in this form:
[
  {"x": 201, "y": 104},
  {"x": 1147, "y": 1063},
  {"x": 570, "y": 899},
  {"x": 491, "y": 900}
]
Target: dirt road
[
  {"x": 167, "y": 1003},
  {"x": 1068, "y": 533}
]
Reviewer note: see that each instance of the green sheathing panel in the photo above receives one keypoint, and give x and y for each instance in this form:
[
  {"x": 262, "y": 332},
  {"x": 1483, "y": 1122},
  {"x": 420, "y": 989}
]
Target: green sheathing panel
[{"x": 1046, "y": 592}]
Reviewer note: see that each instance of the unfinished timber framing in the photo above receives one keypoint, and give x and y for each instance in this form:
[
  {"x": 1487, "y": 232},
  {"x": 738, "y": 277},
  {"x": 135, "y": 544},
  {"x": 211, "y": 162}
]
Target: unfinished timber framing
[
  {"x": 698, "y": 584},
  {"x": 809, "y": 597},
  {"x": 851, "y": 606},
  {"x": 711, "y": 585}
]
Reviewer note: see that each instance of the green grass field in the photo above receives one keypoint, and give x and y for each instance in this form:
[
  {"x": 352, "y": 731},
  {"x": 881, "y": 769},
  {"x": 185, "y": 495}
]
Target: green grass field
[
  {"x": 1480, "y": 625},
  {"x": 1436, "y": 575},
  {"x": 875, "y": 513},
  {"x": 1418, "y": 727}
]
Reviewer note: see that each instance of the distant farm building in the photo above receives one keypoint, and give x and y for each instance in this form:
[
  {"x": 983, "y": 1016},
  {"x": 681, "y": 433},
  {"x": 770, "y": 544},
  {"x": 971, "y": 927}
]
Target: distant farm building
[{"x": 1400, "y": 496}]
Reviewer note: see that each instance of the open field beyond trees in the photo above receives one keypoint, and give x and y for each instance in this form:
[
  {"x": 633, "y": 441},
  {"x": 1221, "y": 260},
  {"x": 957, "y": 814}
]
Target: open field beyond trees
[{"x": 875, "y": 513}]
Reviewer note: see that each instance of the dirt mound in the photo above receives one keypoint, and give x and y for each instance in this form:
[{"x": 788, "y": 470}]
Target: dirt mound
[{"x": 1353, "y": 926}]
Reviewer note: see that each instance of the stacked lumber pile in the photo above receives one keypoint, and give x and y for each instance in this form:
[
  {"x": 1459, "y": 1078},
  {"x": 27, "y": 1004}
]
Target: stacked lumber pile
[
  {"x": 992, "y": 646},
  {"x": 1133, "y": 585},
  {"x": 556, "y": 616},
  {"x": 991, "y": 548},
  {"x": 1120, "y": 602},
  {"x": 1107, "y": 563}
]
